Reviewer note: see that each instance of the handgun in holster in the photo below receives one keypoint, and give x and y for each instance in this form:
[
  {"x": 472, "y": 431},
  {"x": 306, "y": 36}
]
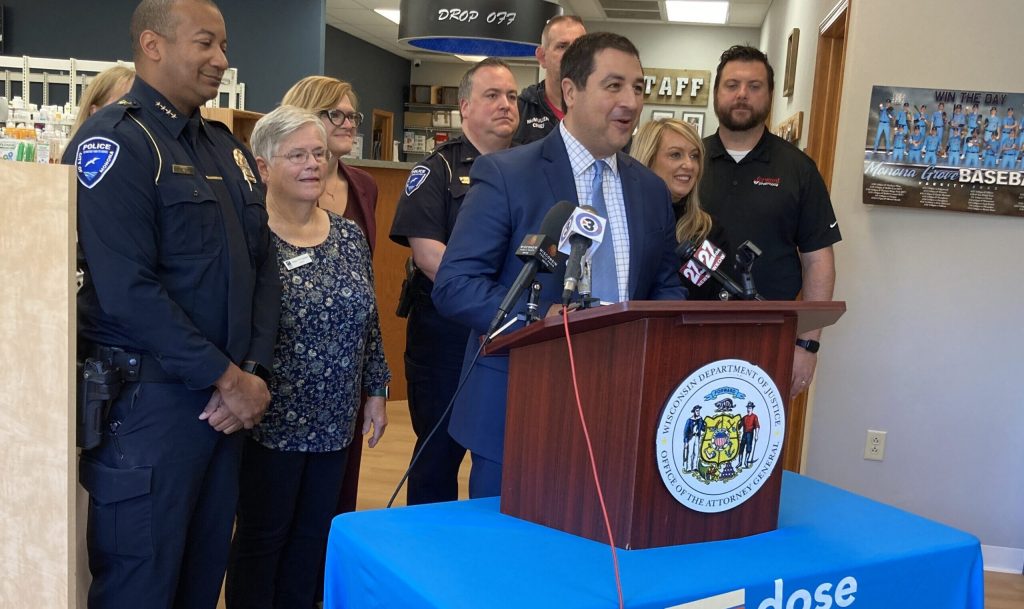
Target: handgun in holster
[
  {"x": 99, "y": 384},
  {"x": 406, "y": 297}
]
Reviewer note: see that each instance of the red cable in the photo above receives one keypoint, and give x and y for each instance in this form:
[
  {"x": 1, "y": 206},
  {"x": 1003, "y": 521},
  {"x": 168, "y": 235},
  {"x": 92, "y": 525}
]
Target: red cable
[{"x": 593, "y": 463}]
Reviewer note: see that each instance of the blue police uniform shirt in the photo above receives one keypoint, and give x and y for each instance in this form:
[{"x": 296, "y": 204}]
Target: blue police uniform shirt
[{"x": 155, "y": 241}]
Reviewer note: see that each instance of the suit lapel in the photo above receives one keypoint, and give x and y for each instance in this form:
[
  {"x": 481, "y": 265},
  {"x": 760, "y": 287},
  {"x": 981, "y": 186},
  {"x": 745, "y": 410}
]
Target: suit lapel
[{"x": 557, "y": 169}]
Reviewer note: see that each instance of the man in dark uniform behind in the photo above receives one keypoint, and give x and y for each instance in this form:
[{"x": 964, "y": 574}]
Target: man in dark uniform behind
[
  {"x": 424, "y": 221},
  {"x": 540, "y": 105},
  {"x": 181, "y": 297}
]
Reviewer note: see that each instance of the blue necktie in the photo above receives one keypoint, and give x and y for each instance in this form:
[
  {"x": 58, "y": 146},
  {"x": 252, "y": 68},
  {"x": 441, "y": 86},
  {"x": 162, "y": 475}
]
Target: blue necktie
[{"x": 604, "y": 281}]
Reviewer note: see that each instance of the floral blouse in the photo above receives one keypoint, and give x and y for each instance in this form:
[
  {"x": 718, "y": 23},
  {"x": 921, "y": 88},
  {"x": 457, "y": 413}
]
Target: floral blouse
[{"x": 328, "y": 344}]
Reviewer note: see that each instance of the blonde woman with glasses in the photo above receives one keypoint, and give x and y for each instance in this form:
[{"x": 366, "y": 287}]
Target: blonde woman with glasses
[{"x": 350, "y": 191}]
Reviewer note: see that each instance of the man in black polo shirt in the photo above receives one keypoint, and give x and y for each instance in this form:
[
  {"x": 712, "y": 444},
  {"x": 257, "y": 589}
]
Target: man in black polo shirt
[{"x": 765, "y": 190}]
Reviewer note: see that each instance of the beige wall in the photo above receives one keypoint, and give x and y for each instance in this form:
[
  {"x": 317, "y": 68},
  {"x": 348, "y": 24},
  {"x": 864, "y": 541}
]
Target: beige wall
[
  {"x": 37, "y": 456},
  {"x": 931, "y": 347},
  {"x": 679, "y": 47}
]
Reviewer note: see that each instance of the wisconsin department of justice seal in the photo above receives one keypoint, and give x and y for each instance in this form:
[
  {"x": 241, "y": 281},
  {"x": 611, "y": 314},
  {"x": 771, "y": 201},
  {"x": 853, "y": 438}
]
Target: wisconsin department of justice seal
[{"x": 720, "y": 435}]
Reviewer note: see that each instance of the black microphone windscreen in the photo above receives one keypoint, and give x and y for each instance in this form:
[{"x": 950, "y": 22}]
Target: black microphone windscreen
[{"x": 556, "y": 218}]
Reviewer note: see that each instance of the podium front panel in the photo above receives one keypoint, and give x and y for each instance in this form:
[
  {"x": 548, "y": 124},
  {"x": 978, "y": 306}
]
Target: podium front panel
[{"x": 626, "y": 372}]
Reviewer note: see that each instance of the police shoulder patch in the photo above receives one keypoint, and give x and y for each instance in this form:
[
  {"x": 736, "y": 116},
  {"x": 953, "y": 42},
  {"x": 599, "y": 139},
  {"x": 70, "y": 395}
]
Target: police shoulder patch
[
  {"x": 417, "y": 176},
  {"x": 95, "y": 157}
]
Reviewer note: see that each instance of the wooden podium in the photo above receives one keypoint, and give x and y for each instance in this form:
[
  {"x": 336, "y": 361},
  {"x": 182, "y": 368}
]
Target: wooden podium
[{"x": 629, "y": 358}]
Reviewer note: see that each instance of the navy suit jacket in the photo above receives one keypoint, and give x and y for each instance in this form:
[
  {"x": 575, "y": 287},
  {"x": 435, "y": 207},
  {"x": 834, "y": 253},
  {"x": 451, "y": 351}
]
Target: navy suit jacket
[{"x": 510, "y": 193}]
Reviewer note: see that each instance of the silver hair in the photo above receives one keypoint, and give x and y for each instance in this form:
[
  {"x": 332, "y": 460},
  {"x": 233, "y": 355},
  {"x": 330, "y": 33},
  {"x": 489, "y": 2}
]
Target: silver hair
[{"x": 279, "y": 124}]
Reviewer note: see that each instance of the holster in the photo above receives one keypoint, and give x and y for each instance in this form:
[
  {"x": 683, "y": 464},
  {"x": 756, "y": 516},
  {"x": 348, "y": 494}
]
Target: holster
[
  {"x": 408, "y": 289},
  {"x": 99, "y": 384}
]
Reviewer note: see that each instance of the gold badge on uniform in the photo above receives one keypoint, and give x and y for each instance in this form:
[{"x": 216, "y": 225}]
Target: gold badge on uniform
[
  {"x": 243, "y": 164},
  {"x": 464, "y": 179}
]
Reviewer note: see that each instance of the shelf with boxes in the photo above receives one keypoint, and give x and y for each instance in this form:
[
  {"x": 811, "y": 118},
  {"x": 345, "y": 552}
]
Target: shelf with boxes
[
  {"x": 427, "y": 126},
  {"x": 431, "y": 118}
]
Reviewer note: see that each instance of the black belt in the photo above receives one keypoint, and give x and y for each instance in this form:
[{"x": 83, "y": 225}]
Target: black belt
[{"x": 135, "y": 367}]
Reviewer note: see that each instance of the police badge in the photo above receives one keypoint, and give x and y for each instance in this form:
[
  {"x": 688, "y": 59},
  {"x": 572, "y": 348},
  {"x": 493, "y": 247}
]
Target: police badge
[
  {"x": 95, "y": 157},
  {"x": 243, "y": 164},
  {"x": 417, "y": 176}
]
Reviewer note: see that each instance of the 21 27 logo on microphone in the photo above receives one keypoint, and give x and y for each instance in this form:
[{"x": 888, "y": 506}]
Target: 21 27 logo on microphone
[{"x": 710, "y": 255}]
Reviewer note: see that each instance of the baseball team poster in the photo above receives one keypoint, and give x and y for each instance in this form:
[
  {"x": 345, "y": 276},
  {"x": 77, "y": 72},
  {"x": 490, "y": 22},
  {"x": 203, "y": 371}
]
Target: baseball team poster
[{"x": 949, "y": 149}]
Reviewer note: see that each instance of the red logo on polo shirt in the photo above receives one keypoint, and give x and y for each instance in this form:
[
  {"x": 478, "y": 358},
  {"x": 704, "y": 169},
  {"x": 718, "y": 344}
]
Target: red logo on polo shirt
[{"x": 762, "y": 181}]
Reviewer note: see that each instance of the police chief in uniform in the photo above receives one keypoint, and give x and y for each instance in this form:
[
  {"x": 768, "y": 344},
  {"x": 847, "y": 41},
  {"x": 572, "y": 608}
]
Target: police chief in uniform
[
  {"x": 423, "y": 221},
  {"x": 182, "y": 296},
  {"x": 766, "y": 190}
]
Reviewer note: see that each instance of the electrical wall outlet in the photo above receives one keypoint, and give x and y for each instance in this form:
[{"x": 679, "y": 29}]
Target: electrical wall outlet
[{"x": 874, "y": 448}]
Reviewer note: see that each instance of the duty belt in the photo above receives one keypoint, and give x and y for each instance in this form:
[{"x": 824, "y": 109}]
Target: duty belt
[{"x": 135, "y": 367}]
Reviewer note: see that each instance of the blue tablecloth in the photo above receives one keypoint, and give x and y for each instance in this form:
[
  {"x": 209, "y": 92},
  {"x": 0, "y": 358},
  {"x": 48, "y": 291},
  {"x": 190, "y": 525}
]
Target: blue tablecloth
[{"x": 467, "y": 555}]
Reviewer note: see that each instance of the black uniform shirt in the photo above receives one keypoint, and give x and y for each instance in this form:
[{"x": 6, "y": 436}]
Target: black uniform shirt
[
  {"x": 433, "y": 193},
  {"x": 775, "y": 198},
  {"x": 536, "y": 119},
  {"x": 427, "y": 210},
  {"x": 160, "y": 275}
]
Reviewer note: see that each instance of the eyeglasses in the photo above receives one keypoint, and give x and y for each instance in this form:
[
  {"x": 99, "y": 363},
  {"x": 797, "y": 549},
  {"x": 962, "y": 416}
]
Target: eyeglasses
[
  {"x": 298, "y": 157},
  {"x": 337, "y": 117}
]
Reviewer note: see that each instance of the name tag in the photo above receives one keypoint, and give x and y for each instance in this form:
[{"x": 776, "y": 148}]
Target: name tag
[
  {"x": 300, "y": 260},
  {"x": 185, "y": 170}
]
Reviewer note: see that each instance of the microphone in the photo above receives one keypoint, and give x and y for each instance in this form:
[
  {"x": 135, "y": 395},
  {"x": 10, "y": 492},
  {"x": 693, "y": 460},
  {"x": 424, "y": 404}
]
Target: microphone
[
  {"x": 703, "y": 262},
  {"x": 537, "y": 251},
  {"x": 583, "y": 228}
]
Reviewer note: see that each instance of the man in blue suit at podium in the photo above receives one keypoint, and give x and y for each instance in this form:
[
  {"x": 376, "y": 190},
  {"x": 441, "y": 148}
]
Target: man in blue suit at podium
[{"x": 510, "y": 193}]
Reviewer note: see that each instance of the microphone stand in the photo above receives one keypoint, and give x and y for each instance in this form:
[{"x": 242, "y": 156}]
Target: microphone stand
[
  {"x": 745, "y": 257},
  {"x": 533, "y": 303},
  {"x": 586, "y": 302}
]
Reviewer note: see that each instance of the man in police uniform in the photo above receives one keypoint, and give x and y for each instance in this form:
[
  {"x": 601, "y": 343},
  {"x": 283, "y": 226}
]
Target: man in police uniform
[
  {"x": 181, "y": 296},
  {"x": 424, "y": 221},
  {"x": 765, "y": 190},
  {"x": 540, "y": 105}
]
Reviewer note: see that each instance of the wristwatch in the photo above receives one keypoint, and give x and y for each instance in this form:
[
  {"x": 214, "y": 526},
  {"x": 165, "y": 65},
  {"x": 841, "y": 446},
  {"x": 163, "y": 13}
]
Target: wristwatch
[
  {"x": 810, "y": 346},
  {"x": 256, "y": 368}
]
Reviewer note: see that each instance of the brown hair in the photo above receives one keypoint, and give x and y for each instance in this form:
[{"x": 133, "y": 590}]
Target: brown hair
[{"x": 466, "y": 84}]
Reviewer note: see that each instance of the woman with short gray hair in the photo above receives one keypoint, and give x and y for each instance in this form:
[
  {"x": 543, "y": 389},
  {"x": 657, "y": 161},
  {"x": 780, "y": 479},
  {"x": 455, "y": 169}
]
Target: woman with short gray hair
[{"x": 328, "y": 351}]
